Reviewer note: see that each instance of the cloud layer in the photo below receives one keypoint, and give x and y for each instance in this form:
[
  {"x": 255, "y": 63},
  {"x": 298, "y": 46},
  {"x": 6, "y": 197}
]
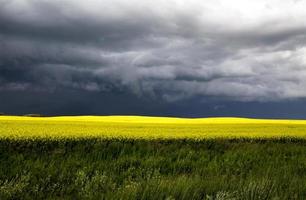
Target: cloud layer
[{"x": 170, "y": 50}]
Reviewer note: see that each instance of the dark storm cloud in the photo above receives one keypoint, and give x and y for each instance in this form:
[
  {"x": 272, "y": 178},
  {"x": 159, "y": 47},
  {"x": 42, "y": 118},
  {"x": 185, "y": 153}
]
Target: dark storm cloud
[{"x": 167, "y": 50}]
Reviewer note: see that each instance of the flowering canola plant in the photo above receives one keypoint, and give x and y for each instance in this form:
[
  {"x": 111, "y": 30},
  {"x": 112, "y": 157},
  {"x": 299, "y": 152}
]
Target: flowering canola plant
[{"x": 139, "y": 127}]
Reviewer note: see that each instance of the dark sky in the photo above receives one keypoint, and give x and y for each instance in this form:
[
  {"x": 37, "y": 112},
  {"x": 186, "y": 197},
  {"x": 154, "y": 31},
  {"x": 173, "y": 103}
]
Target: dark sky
[{"x": 170, "y": 58}]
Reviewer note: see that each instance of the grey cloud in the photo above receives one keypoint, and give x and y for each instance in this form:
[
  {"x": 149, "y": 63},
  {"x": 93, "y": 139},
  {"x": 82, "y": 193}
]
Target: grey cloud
[{"x": 163, "y": 50}]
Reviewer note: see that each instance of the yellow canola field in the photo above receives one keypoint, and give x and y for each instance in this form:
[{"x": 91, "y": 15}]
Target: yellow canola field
[{"x": 138, "y": 127}]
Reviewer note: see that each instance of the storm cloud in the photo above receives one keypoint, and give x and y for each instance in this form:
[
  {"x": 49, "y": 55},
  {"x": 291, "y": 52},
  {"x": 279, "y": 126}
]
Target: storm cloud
[{"x": 174, "y": 50}]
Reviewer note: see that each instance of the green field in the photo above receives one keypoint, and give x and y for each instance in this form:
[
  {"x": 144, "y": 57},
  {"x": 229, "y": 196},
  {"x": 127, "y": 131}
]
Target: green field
[{"x": 151, "y": 158}]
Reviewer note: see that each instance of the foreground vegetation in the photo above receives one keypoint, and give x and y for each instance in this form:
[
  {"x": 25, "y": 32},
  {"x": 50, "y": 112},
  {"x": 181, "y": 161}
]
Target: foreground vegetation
[
  {"x": 151, "y": 158},
  {"x": 156, "y": 169}
]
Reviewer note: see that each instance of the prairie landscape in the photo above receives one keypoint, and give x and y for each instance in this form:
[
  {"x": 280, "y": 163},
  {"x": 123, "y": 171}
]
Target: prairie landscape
[
  {"x": 133, "y": 157},
  {"x": 152, "y": 100}
]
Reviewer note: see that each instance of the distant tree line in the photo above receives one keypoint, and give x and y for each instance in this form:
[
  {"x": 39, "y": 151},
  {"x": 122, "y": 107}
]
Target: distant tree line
[
  {"x": 34, "y": 115},
  {"x": 27, "y": 115}
]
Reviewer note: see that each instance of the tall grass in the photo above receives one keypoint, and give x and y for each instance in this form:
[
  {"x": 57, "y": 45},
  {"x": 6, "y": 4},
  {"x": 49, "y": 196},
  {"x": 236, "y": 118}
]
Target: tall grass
[{"x": 155, "y": 169}]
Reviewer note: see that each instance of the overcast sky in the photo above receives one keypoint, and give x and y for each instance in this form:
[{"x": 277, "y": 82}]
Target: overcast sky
[{"x": 159, "y": 57}]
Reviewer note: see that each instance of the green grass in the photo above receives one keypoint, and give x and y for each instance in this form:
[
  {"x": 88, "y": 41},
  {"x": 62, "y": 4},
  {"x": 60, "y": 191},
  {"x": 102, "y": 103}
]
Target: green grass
[{"x": 155, "y": 169}]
